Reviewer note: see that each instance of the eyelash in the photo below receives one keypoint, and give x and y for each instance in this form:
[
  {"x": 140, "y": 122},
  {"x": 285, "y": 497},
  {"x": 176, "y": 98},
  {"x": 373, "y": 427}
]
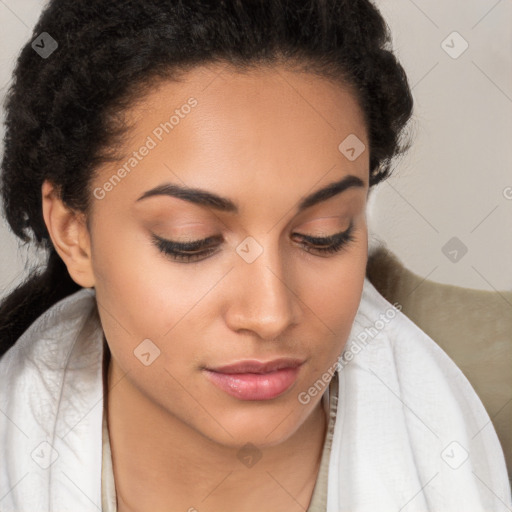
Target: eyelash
[{"x": 189, "y": 251}]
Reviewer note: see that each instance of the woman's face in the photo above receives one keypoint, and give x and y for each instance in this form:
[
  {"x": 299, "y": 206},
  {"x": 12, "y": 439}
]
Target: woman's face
[{"x": 239, "y": 154}]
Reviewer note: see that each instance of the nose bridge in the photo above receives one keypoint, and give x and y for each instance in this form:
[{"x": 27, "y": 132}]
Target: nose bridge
[{"x": 264, "y": 301}]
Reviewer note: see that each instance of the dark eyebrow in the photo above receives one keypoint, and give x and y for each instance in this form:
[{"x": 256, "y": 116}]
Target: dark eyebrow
[{"x": 204, "y": 198}]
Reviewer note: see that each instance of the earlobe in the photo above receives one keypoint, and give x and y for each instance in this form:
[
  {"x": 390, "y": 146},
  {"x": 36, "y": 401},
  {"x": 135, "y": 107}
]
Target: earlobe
[{"x": 69, "y": 234}]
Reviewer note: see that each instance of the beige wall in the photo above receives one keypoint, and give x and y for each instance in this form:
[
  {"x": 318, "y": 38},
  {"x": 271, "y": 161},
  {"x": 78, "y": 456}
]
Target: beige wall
[{"x": 457, "y": 179}]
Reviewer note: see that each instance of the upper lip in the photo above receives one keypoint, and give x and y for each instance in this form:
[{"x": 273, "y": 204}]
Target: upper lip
[{"x": 253, "y": 366}]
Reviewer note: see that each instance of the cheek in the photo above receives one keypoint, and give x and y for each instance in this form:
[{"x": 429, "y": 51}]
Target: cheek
[
  {"x": 333, "y": 292},
  {"x": 140, "y": 293}
]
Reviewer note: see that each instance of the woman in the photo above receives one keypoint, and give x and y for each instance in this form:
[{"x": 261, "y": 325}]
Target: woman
[{"x": 205, "y": 337}]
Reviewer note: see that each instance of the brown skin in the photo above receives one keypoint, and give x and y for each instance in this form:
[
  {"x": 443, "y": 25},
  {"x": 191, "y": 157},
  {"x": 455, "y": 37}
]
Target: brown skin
[{"x": 263, "y": 139}]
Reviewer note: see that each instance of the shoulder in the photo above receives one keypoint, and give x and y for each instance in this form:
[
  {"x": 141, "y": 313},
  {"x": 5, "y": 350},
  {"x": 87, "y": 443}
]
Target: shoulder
[
  {"x": 50, "y": 328},
  {"x": 34, "y": 363},
  {"x": 404, "y": 398}
]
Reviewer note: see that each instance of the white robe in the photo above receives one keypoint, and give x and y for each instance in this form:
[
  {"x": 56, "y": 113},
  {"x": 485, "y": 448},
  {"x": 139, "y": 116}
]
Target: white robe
[{"x": 411, "y": 435}]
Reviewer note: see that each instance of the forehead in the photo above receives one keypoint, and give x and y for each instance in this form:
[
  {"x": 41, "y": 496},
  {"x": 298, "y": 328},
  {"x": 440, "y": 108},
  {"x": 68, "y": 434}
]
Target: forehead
[
  {"x": 265, "y": 96},
  {"x": 216, "y": 128}
]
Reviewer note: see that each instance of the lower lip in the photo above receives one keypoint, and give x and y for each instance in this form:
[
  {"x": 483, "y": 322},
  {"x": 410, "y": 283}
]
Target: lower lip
[{"x": 253, "y": 386}]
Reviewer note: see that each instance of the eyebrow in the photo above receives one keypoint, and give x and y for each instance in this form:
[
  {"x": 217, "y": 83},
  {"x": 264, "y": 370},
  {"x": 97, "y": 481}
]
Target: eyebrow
[{"x": 205, "y": 198}]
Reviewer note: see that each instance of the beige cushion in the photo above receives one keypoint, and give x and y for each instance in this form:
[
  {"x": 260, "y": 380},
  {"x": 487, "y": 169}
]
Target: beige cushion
[{"x": 474, "y": 327}]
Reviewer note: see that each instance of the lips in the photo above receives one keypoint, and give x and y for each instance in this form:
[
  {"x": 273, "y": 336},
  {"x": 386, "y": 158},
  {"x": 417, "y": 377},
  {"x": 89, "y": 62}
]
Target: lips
[
  {"x": 255, "y": 380},
  {"x": 253, "y": 366}
]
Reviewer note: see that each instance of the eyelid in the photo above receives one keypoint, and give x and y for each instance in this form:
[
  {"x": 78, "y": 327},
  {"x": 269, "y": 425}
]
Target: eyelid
[
  {"x": 318, "y": 240},
  {"x": 194, "y": 245}
]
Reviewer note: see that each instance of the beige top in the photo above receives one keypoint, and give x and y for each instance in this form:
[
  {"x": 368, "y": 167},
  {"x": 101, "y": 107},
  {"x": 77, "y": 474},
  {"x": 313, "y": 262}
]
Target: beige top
[{"x": 319, "y": 498}]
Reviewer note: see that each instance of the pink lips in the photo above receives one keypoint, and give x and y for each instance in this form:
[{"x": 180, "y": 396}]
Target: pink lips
[{"x": 253, "y": 380}]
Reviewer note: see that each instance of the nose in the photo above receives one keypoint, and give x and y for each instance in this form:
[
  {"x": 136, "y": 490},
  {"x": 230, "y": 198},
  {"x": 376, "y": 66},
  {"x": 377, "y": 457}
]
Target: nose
[{"x": 262, "y": 298}]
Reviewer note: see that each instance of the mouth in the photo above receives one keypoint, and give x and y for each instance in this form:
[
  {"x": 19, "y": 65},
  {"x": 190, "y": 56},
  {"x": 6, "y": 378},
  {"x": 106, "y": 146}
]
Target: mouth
[{"x": 255, "y": 380}]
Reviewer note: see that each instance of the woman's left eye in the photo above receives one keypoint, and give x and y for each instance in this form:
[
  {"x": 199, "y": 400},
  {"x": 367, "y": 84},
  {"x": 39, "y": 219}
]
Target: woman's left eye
[
  {"x": 330, "y": 244},
  {"x": 201, "y": 249}
]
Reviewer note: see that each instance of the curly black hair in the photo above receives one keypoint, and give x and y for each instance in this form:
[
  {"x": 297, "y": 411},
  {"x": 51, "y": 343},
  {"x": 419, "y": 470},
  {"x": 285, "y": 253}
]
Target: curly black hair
[{"x": 64, "y": 109}]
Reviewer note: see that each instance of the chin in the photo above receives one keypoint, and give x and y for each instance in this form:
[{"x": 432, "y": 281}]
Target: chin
[{"x": 261, "y": 426}]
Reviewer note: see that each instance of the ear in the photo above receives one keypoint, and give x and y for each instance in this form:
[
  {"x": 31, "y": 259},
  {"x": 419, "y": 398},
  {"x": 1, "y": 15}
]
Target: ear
[{"x": 69, "y": 234}]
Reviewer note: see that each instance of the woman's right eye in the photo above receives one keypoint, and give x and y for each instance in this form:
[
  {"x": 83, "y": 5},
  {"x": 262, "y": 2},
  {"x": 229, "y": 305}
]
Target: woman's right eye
[{"x": 187, "y": 251}]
